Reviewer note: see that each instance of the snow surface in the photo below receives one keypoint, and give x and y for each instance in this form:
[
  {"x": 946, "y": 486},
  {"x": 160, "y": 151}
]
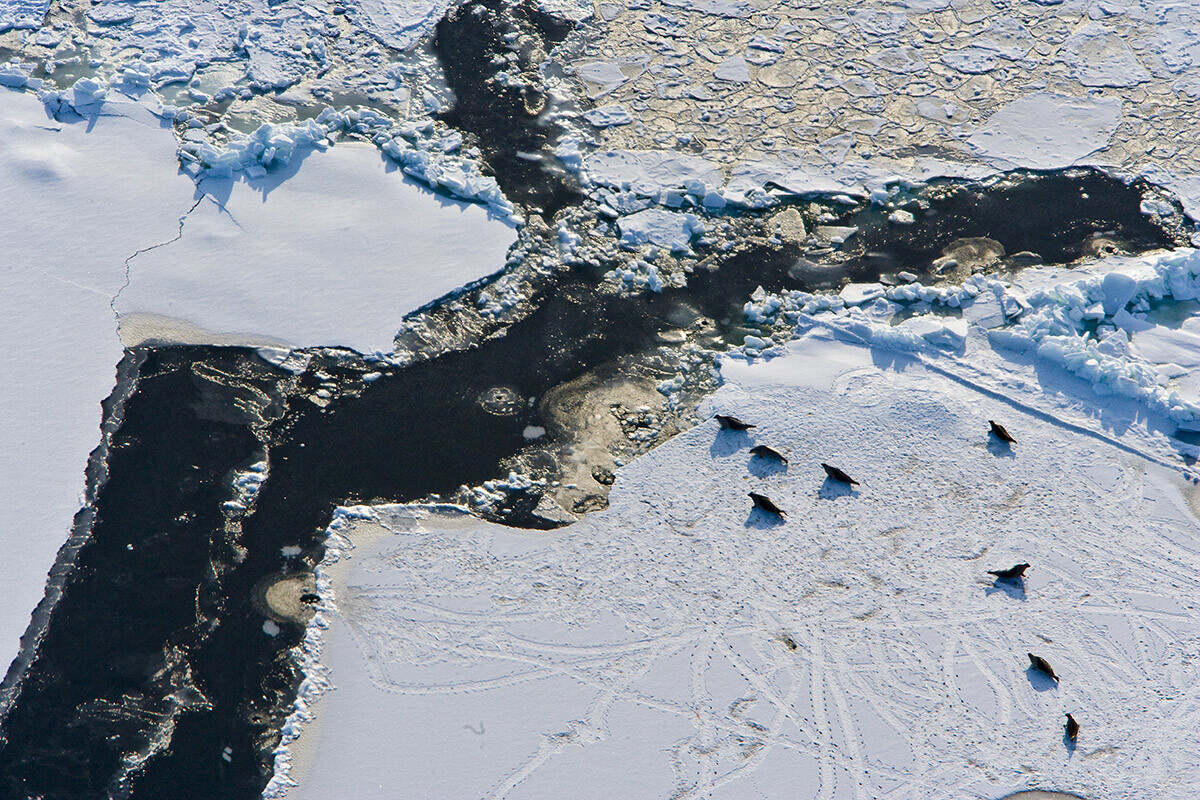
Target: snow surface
[
  {"x": 332, "y": 250},
  {"x": 679, "y": 644}
]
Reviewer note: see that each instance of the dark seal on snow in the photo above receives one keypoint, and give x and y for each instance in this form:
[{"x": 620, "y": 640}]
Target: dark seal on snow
[
  {"x": 1042, "y": 666},
  {"x": 732, "y": 423},
  {"x": 1010, "y": 574},
  {"x": 1001, "y": 433},
  {"x": 764, "y": 451},
  {"x": 766, "y": 504},
  {"x": 838, "y": 475}
]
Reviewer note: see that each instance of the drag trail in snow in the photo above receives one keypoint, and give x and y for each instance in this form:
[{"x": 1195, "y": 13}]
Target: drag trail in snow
[{"x": 678, "y": 645}]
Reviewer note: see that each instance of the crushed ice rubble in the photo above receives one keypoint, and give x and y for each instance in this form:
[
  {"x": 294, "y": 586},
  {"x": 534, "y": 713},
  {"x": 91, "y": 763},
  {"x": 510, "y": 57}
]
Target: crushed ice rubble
[{"x": 1084, "y": 321}]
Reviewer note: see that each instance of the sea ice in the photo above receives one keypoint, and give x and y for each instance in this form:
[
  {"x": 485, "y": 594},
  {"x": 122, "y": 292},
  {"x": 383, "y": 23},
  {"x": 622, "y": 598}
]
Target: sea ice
[
  {"x": 669, "y": 229},
  {"x": 733, "y": 69},
  {"x": 333, "y": 250},
  {"x": 651, "y": 172},
  {"x": 320, "y": 255},
  {"x": 1047, "y": 131},
  {"x": 22, "y": 13},
  {"x": 1102, "y": 58},
  {"x": 681, "y": 644},
  {"x": 400, "y": 23},
  {"x": 80, "y": 200},
  {"x": 607, "y": 116}
]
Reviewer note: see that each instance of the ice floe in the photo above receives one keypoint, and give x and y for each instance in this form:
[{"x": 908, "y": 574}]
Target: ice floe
[
  {"x": 270, "y": 256},
  {"x": 670, "y": 229},
  {"x": 1047, "y": 131},
  {"x": 681, "y": 644}
]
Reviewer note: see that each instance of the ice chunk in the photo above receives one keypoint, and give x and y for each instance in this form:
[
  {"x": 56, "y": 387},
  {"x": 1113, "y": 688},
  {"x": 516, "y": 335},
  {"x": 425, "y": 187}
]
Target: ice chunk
[
  {"x": 985, "y": 312},
  {"x": 1100, "y": 57},
  {"x": 14, "y": 75},
  {"x": 400, "y": 23},
  {"x": 649, "y": 172},
  {"x": 608, "y": 116},
  {"x": 111, "y": 14},
  {"x": 664, "y": 25},
  {"x": 1127, "y": 322},
  {"x": 855, "y": 294},
  {"x": 1047, "y": 130},
  {"x": 1118, "y": 288},
  {"x": 670, "y": 229},
  {"x": 971, "y": 60},
  {"x": 22, "y": 13},
  {"x": 734, "y": 70},
  {"x": 835, "y": 234},
  {"x": 606, "y": 75},
  {"x": 938, "y": 330}
]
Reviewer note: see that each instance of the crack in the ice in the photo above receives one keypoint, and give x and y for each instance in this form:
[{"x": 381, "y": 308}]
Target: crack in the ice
[
  {"x": 221, "y": 208},
  {"x": 179, "y": 235}
]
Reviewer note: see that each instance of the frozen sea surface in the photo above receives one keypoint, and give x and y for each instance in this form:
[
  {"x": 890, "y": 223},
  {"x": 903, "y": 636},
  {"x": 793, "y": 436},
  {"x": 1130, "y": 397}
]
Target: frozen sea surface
[
  {"x": 680, "y": 644},
  {"x": 332, "y": 250}
]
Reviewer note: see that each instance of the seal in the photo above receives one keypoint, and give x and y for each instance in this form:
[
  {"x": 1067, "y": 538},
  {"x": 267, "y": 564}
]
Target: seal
[
  {"x": 838, "y": 475},
  {"x": 1000, "y": 432},
  {"x": 764, "y": 451},
  {"x": 1011, "y": 574},
  {"x": 766, "y": 504},
  {"x": 1042, "y": 665},
  {"x": 729, "y": 423}
]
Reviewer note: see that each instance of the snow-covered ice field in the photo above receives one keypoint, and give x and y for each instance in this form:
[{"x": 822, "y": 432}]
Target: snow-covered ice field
[{"x": 680, "y": 645}]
